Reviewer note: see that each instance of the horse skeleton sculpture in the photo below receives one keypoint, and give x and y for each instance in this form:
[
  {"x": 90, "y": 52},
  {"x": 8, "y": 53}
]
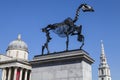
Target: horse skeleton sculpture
[{"x": 66, "y": 28}]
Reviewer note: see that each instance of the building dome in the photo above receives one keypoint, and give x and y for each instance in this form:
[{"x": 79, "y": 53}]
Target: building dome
[{"x": 18, "y": 44}]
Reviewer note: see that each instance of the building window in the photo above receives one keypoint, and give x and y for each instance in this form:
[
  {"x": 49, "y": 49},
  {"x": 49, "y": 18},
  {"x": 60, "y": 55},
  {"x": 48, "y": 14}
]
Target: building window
[
  {"x": 102, "y": 71},
  {"x": 102, "y": 78},
  {"x": 24, "y": 55},
  {"x": 9, "y": 53},
  {"x": 103, "y": 60},
  {"x": 108, "y": 72},
  {"x": 17, "y": 54}
]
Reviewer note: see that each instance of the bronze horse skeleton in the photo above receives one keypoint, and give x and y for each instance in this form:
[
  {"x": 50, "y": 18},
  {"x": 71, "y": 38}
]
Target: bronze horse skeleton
[{"x": 66, "y": 28}]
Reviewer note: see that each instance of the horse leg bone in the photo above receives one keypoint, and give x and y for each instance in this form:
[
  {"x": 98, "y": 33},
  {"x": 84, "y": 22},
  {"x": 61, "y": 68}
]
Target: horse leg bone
[{"x": 67, "y": 42}]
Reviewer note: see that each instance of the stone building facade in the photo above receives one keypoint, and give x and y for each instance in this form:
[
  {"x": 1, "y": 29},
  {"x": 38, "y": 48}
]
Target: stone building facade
[{"x": 15, "y": 64}]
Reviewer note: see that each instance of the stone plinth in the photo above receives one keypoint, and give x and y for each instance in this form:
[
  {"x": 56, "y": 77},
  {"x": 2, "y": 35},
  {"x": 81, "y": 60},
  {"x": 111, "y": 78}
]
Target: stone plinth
[{"x": 71, "y": 65}]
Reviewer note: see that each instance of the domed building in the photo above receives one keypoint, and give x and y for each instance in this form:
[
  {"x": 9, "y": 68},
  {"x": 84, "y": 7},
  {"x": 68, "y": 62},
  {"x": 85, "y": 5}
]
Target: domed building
[
  {"x": 15, "y": 64},
  {"x": 18, "y": 49}
]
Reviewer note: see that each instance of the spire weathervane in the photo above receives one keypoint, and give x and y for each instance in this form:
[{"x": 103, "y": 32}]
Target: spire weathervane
[{"x": 102, "y": 47}]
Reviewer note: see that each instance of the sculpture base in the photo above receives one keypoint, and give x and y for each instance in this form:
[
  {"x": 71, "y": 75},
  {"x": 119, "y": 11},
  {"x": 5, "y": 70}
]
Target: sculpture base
[{"x": 70, "y": 65}]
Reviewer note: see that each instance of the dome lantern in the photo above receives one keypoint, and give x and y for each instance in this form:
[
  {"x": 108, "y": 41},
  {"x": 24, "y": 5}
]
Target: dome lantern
[{"x": 19, "y": 36}]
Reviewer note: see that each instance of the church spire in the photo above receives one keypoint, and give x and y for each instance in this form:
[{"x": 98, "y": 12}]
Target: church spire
[
  {"x": 103, "y": 70},
  {"x": 103, "y": 57}
]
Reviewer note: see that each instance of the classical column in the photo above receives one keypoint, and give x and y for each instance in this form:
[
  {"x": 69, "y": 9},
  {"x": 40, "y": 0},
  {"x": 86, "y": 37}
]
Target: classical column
[
  {"x": 9, "y": 73},
  {"x": 21, "y": 72},
  {"x": 3, "y": 74},
  {"x": 26, "y": 72},
  {"x": 30, "y": 75},
  {"x": 15, "y": 73}
]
